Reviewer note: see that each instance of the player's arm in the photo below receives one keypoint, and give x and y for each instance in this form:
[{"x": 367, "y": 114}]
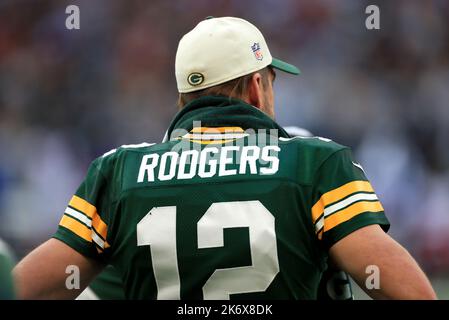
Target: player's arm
[
  {"x": 82, "y": 240},
  {"x": 399, "y": 274},
  {"x": 350, "y": 222},
  {"x": 42, "y": 273}
]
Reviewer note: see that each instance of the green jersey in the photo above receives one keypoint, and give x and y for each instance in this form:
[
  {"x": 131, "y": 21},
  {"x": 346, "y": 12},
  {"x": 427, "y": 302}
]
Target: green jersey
[
  {"x": 228, "y": 207},
  {"x": 6, "y": 264}
]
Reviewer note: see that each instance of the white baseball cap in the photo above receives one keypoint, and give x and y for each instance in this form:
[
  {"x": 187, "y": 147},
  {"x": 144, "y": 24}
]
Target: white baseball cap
[{"x": 221, "y": 49}]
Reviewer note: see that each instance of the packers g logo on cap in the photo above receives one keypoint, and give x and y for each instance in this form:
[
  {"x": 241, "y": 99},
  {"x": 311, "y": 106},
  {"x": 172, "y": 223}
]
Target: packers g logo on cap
[{"x": 195, "y": 79}]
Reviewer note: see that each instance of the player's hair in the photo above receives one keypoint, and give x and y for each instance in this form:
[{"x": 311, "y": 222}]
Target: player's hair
[{"x": 235, "y": 88}]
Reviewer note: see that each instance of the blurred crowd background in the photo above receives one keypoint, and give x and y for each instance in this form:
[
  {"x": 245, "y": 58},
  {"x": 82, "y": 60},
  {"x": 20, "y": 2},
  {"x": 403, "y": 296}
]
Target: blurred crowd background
[{"x": 68, "y": 96}]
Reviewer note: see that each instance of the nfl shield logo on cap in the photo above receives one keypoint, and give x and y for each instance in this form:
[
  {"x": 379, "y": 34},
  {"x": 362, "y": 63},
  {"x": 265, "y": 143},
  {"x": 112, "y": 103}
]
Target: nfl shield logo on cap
[
  {"x": 218, "y": 50},
  {"x": 256, "y": 49}
]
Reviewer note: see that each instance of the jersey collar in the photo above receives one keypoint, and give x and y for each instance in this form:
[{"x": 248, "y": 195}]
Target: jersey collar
[{"x": 220, "y": 112}]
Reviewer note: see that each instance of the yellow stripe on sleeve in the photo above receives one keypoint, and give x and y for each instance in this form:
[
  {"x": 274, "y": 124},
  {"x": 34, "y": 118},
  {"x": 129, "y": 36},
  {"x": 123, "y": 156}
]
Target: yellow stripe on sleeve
[
  {"x": 350, "y": 212},
  {"x": 83, "y": 206},
  {"x": 76, "y": 227},
  {"x": 338, "y": 194},
  {"x": 91, "y": 211},
  {"x": 100, "y": 227}
]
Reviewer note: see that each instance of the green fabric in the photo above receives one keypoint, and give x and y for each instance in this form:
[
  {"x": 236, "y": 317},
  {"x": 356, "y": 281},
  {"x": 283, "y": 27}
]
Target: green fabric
[
  {"x": 337, "y": 170},
  {"x": 284, "y": 66},
  {"x": 308, "y": 167},
  {"x": 108, "y": 285},
  {"x": 218, "y": 111},
  {"x": 6, "y": 281},
  {"x": 82, "y": 246}
]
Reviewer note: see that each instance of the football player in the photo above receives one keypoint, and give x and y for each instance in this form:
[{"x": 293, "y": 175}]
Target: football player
[{"x": 229, "y": 206}]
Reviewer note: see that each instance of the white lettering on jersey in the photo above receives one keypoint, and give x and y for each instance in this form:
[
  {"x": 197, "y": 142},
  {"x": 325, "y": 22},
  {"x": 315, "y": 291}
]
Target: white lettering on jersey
[
  {"x": 212, "y": 163},
  {"x": 209, "y": 162},
  {"x": 173, "y": 156},
  {"x": 148, "y": 168},
  {"x": 250, "y": 160},
  {"x": 273, "y": 160},
  {"x": 192, "y": 155},
  {"x": 225, "y": 159}
]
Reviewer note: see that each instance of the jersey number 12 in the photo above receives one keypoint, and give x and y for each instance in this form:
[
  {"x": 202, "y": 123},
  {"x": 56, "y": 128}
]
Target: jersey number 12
[{"x": 158, "y": 230}]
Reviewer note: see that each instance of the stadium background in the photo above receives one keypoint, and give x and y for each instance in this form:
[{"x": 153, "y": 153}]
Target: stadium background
[{"x": 67, "y": 97}]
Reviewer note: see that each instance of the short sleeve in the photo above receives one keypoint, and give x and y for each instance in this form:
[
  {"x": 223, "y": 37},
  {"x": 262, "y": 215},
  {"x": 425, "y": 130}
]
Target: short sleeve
[
  {"x": 343, "y": 199},
  {"x": 84, "y": 224}
]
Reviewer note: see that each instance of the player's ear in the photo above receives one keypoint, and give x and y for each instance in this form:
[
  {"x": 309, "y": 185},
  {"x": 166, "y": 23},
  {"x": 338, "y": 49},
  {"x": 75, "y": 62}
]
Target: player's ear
[{"x": 255, "y": 90}]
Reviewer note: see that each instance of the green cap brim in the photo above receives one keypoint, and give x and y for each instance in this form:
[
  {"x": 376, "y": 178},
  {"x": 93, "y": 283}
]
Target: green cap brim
[{"x": 284, "y": 66}]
